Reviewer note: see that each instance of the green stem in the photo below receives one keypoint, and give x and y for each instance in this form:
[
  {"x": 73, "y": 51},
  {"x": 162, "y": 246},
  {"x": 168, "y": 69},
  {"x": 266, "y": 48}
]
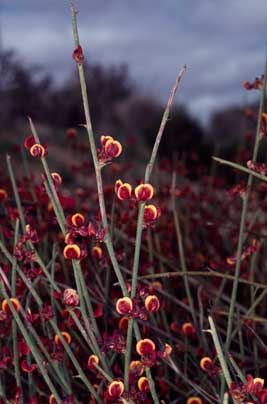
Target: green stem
[
  {"x": 14, "y": 325},
  {"x": 16, "y": 193},
  {"x": 181, "y": 252},
  {"x": 97, "y": 167},
  {"x": 32, "y": 346},
  {"x": 243, "y": 219},
  {"x": 219, "y": 351}
]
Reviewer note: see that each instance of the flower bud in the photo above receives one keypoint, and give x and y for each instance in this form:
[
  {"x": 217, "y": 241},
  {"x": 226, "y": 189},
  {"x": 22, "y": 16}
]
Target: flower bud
[
  {"x": 206, "y": 363},
  {"x": 143, "y": 384},
  {"x": 151, "y": 213},
  {"x": 123, "y": 324},
  {"x": 116, "y": 389},
  {"x": 77, "y": 219},
  {"x": 145, "y": 346},
  {"x": 152, "y": 303},
  {"x": 123, "y": 190},
  {"x": 29, "y": 142},
  {"x": 104, "y": 139},
  {"x": 124, "y": 305},
  {"x": 71, "y": 297},
  {"x": 258, "y": 383},
  {"x": 66, "y": 337},
  {"x": 78, "y": 55},
  {"x": 92, "y": 361},
  {"x": 56, "y": 178},
  {"x": 37, "y": 150},
  {"x": 188, "y": 329},
  {"x": 97, "y": 252},
  {"x": 72, "y": 251},
  {"x": 194, "y": 400},
  {"x": 52, "y": 399},
  {"x": 15, "y": 303},
  {"x": 137, "y": 368},
  {"x": 112, "y": 148},
  {"x": 144, "y": 192},
  {"x": 3, "y": 195}
]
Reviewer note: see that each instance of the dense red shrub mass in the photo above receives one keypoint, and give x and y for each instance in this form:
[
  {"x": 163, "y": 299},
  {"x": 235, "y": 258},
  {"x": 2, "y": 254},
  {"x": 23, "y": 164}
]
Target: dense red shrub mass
[
  {"x": 209, "y": 213},
  {"x": 75, "y": 327}
]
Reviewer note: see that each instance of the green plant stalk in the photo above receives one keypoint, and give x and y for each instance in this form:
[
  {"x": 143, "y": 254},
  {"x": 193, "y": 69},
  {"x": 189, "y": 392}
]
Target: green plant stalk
[
  {"x": 164, "y": 121},
  {"x": 76, "y": 364},
  {"x": 22, "y": 220},
  {"x": 150, "y": 249},
  {"x": 152, "y": 387},
  {"x": 48, "y": 175},
  {"x": 66, "y": 346},
  {"x": 61, "y": 222},
  {"x": 39, "y": 303},
  {"x": 148, "y": 172},
  {"x": 203, "y": 273},
  {"x": 82, "y": 303},
  {"x": 16, "y": 194},
  {"x": 82, "y": 292},
  {"x": 14, "y": 325},
  {"x": 225, "y": 398},
  {"x": 139, "y": 230},
  {"x": 32, "y": 190},
  {"x": 147, "y": 370},
  {"x": 94, "y": 154},
  {"x": 85, "y": 293},
  {"x": 32, "y": 346},
  {"x": 43, "y": 266},
  {"x": 219, "y": 351},
  {"x": 127, "y": 356},
  {"x": 97, "y": 166},
  {"x": 240, "y": 168},
  {"x": 181, "y": 252},
  {"x": 103, "y": 373},
  {"x": 107, "y": 294},
  {"x": 188, "y": 381},
  {"x": 251, "y": 309},
  {"x": 243, "y": 218},
  {"x": 161, "y": 313},
  {"x": 52, "y": 297},
  {"x": 52, "y": 193},
  {"x": 237, "y": 369}
]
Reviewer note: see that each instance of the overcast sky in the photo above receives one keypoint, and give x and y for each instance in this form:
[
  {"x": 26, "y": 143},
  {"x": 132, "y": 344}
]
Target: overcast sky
[{"x": 222, "y": 42}]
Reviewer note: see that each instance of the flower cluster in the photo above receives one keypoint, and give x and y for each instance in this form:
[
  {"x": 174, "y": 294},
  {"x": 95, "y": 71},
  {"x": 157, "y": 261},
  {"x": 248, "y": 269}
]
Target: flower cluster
[
  {"x": 110, "y": 149},
  {"x": 251, "y": 392},
  {"x": 77, "y": 237},
  {"x": 137, "y": 307}
]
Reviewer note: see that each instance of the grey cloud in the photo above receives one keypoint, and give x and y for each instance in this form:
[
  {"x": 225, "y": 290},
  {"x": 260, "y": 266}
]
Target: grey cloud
[{"x": 223, "y": 43}]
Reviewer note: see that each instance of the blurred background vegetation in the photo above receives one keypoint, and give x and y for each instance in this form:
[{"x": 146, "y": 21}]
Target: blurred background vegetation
[{"x": 117, "y": 107}]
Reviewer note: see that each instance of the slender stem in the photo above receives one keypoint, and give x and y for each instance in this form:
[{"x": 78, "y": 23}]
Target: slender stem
[
  {"x": 181, "y": 252},
  {"x": 163, "y": 124},
  {"x": 243, "y": 218},
  {"x": 241, "y": 168},
  {"x": 139, "y": 230},
  {"x": 218, "y": 348},
  {"x": 14, "y": 325},
  {"x": 205, "y": 274},
  {"x": 97, "y": 167},
  {"x": 32, "y": 345},
  {"x": 54, "y": 199},
  {"x": 100, "y": 370},
  {"x": 16, "y": 193}
]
